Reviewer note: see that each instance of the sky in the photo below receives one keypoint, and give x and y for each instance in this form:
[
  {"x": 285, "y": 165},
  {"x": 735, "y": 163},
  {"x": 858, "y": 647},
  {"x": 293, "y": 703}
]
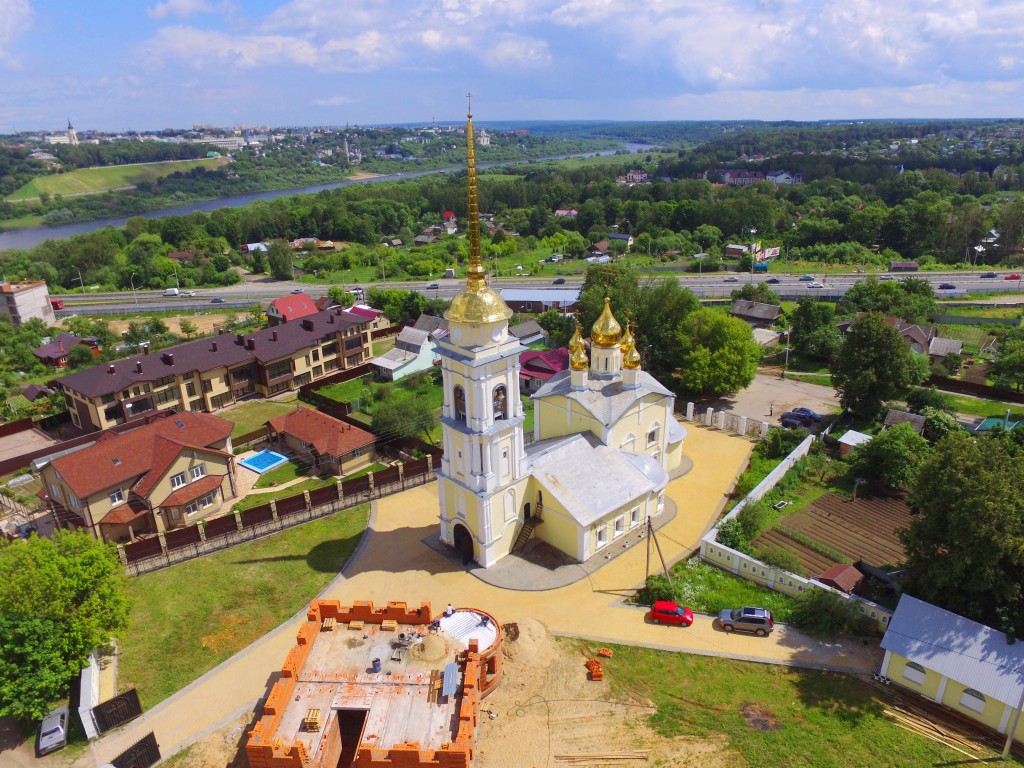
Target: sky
[{"x": 118, "y": 65}]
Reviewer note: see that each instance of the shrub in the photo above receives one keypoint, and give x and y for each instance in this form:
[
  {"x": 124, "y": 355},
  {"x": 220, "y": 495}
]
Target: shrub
[
  {"x": 656, "y": 588},
  {"x": 777, "y": 557},
  {"x": 779, "y": 442},
  {"x": 823, "y": 614},
  {"x": 383, "y": 392},
  {"x": 920, "y": 397},
  {"x": 730, "y": 534},
  {"x": 754, "y": 518}
]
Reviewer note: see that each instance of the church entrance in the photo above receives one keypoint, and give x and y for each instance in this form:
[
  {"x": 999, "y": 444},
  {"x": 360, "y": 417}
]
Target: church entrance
[{"x": 463, "y": 543}]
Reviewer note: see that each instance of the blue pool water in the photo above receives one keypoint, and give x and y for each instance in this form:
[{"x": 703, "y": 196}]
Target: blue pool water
[{"x": 263, "y": 461}]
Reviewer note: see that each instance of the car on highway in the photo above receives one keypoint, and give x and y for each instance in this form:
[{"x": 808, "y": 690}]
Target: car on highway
[
  {"x": 806, "y": 278},
  {"x": 773, "y": 281},
  {"x": 559, "y": 281},
  {"x": 808, "y": 413},
  {"x": 747, "y": 619},
  {"x": 947, "y": 287},
  {"x": 1014, "y": 276},
  {"x": 217, "y": 300},
  {"x": 989, "y": 274},
  {"x": 53, "y": 732},
  {"x": 187, "y": 294},
  {"x": 667, "y": 612},
  {"x": 296, "y": 290},
  {"x": 732, "y": 279},
  {"x": 815, "y": 284},
  {"x": 887, "y": 277},
  {"x": 433, "y": 286}
]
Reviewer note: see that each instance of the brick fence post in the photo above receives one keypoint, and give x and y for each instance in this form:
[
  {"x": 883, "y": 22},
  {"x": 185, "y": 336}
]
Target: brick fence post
[{"x": 273, "y": 510}]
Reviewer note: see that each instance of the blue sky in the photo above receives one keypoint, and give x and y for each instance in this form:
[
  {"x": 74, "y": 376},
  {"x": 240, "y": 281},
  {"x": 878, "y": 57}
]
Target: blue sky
[{"x": 171, "y": 63}]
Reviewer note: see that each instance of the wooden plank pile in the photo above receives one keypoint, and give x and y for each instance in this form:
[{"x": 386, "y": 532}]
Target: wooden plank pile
[
  {"x": 602, "y": 758},
  {"x": 916, "y": 721}
]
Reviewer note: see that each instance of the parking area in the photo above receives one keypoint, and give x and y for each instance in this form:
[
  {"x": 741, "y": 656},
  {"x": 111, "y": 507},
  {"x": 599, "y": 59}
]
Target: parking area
[{"x": 769, "y": 396}]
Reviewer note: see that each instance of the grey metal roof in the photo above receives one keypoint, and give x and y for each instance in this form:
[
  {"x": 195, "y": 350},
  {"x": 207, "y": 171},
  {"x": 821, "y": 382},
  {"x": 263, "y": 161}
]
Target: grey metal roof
[
  {"x": 606, "y": 399},
  {"x": 546, "y": 295},
  {"x": 960, "y": 649},
  {"x": 756, "y": 309},
  {"x": 940, "y": 346}
]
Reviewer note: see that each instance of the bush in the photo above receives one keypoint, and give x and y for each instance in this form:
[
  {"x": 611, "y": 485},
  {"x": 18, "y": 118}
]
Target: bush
[
  {"x": 656, "y": 588},
  {"x": 779, "y": 442},
  {"x": 777, "y": 557},
  {"x": 754, "y": 518},
  {"x": 730, "y": 534},
  {"x": 824, "y": 614},
  {"x": 921, "y": 397}
]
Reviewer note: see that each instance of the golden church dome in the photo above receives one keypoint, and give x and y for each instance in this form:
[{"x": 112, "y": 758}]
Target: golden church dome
[
  {"x": 631, "y": 358},
  {"x": 606, "y": 332},
  {"x": 578, "y": 351},
  {"x": 627, "y": 339}
]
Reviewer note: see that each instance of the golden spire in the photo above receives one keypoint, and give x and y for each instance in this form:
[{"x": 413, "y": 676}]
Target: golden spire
[
  {"x": 606, "y": 332},
  {"x": 630, "y": 357},
  {"x": 477, "y": 303},
  {"x": 578, "y": 350}
]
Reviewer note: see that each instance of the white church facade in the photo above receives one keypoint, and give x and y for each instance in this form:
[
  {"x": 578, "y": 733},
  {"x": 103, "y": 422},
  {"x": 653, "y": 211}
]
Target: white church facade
[{"x": 606, "y": 440}]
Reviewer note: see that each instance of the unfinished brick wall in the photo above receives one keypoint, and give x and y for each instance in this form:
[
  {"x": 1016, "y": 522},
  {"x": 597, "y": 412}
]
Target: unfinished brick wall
[{"x": 363, "y": 610}]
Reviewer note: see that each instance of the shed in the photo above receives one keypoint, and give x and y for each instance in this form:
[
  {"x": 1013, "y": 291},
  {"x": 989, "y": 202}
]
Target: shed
[
  {"x": 756, "y": 313},
  {"x": 894, "y": 417},
  {"x": 850, "y": 440},
  {"x": 845, "y": 578},
  {"x": 528, "y": 332}
]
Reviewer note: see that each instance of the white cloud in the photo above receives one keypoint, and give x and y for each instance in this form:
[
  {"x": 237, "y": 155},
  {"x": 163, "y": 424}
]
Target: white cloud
[
  {"x": 201, "y": 48},
  {"x": 512, "y": 50},
  {"x": 15, "y": 17},
  {"x": 333, "y": 101},
  {"x": 181, "y": 9}
]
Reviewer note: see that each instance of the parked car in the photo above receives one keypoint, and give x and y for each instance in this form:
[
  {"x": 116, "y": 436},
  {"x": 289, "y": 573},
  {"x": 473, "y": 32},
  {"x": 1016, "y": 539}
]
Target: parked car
[
  {"x": 747, "y": 619},
  {"x": 559, "y": 281},
  {"x": 667, "y": 612},
  {"x": 53, "y": 732},
  {"x": 732, "y": 279},
  {"x": 1014, "y": 276},
  {"x": 773, "y": 281},
  {"x": 947, "y": 287},
  {"x": 806, "y": 278},
  {"x": 989, "y": 274},
  {"x": 808, "y": 413},
  {"x": 799, "y": 419},
  {"x": 217, "y": 300},
  {"x": 815, "y": 284}
]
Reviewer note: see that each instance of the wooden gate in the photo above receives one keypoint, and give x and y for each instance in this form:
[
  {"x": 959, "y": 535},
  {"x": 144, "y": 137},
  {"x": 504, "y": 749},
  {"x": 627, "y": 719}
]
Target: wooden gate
[
  {"x": 120, "y": 709},
  {"x": 142, "y": 754}
]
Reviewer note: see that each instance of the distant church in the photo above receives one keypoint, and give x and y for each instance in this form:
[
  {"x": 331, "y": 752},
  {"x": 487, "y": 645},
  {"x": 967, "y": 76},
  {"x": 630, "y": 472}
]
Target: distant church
[{"x": 606, "y": 438}]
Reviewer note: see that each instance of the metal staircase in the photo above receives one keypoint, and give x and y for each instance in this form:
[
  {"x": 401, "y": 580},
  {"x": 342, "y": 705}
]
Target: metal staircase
[{"x": 526, "y": 532}]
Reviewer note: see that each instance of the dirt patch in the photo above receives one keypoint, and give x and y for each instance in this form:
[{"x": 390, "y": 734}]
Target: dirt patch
[
  {"x": 232, "y": 633},
  {"x": 205, "y": 323},
  {"x": 759, "y": 718}
]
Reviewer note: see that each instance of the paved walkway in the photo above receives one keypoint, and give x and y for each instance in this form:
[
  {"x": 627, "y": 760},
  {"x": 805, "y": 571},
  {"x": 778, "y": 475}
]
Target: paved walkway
[{"x": 393, "y": 563}]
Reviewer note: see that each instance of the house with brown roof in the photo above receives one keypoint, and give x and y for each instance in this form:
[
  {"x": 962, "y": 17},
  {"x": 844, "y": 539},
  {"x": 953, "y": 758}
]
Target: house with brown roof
[
  {"x": 291, "y": 307},
  {"x": 170, "y": 472},
  {"x": 328, "y": 443},
  {"x": 55, "y": 353},
  {"x": 895, "y": 416},
  {"x": 758, "y": 314}
]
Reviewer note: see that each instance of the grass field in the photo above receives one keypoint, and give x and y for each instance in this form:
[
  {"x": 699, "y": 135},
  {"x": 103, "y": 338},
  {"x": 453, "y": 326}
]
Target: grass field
[
  {"x": 92, "y": 181},
  {"x": 769, "y": 715},
  {"x": 189, "y": 618},
  {"x": 250, "y": 416}
]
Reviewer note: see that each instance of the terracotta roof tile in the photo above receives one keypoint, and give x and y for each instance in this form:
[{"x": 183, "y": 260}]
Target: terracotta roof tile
[
  {"x": 329, "y": 436},
  {"x": 125, "y": 513},
  {"x": 192, "y": 491}
]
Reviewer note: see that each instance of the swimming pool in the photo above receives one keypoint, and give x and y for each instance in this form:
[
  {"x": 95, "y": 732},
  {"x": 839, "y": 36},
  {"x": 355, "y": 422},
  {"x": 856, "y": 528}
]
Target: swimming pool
[{"x": 263, "y": 461}]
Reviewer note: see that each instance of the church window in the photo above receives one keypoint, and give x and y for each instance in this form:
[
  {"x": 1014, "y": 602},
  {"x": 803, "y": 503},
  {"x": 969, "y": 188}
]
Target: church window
[
  {"x": 629, "y": 443},
  {"x": 500, "y": 399},
  {"x": 654, "y": 434},
  {"x": 459, "y": 396},
  {"x": 620, "y": 526},
  {"x": 505, "y": 468},
  {"x": 602, "y": 536},
  {"x": 914, "y": 672}
]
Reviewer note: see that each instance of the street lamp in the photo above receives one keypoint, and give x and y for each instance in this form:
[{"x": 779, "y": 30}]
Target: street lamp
[{"x": 131, "y": 281}]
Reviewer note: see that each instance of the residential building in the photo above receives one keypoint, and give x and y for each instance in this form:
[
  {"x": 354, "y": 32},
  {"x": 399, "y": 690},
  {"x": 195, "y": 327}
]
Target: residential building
[
  {"x": 437, "y": 327},
  {"x": 894, "y": 417},
  {"x": 741, "y": 178},
  {"x": 329, "y": 444},
  {"x": 537, "y": 367},
  {"x": 55, "y": 352},
  {"x": 627, "y": 239},
  {"x": 903, "y": 266},
  {"x": 784, "y": 177},
  {"x": 403, "y": 689},
  {"x": 414, "y": 351},
  {"x": 567, "y": 213},
  {"x": 756, "y": 313},
  {"x": 528, "y": 332},
  {"x": 211, "y": 373},
  {"x": 168, "y": 473},
  {"x": 959, "y": 663},
  {"x": 537, "y": 300},
  {"x": 24, "y": 300},
  {"x": 292, "y": 307}
]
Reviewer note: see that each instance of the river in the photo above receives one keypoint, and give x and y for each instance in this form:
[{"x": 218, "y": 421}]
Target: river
[{"x": 32, "y": 236}]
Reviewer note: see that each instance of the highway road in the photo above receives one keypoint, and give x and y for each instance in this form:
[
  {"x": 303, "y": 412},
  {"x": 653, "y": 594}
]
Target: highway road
[{"x": 716, "y": 286}]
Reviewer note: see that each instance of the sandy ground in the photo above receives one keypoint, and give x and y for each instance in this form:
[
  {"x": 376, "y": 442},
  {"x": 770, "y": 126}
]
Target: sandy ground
[
  {"x": 545, "y": 692},
  {"x": 204, "y": 323}
]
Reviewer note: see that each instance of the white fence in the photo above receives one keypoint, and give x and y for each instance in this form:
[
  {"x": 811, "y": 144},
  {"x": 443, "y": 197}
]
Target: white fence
[
  {"x": 752, "y": 569},
  {"x": 89, "y": 695}
]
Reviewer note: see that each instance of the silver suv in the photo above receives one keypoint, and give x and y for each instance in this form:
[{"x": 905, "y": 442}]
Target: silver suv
[
  {"x": 756, "y": 620},
  {"x": 53, "y": 731}
]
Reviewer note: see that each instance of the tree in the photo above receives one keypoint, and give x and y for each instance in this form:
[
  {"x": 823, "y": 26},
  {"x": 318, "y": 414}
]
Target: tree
[
  {"x": 892, "y": 457},
  {"x": 409, "y": 417},
  {"x": 558, "y": 326},
  {"x": 965, "y": 542},
  {"x": 920, "y": 398},
  {"x": 910, "y": 298},
  {"x": 756, "y": 292},
  {"x": 279, "y": 257},
  {"x": 938, "y": 423},
  {"x": 716, "y": 353},
  {"x": 80, "y": 356},
  {"x": 70, "y": 588},
  {"x": 188, "y": 327},
  {"x": 340, "y": 295},
  {"x": 1008, "y": 368},
  {"x": 873, "y": 364},
  {"x": 814, "y": 333}
]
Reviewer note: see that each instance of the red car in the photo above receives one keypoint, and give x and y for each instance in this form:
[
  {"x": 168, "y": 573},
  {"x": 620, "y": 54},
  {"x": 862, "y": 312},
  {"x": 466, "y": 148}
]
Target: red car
[
  {"x": 1014, "y": 276},
  {"x": 666, "y": 612}
]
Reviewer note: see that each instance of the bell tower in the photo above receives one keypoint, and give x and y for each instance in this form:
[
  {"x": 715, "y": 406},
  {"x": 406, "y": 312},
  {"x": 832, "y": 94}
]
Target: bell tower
[{"x": 484, "y": 470}]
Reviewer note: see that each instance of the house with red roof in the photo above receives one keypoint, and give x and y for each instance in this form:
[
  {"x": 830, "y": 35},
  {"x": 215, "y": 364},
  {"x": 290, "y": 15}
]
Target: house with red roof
[
  {"x": 291, "y": 307},
  {"x": 55, "y": 353},
  {"x": 329, "y": 444},
  {"x": 537, "y": 366},
  {"x": 172, "y": 471}
]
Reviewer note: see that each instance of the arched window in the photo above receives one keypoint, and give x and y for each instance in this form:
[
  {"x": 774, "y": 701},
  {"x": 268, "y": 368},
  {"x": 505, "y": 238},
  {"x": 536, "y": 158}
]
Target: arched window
[
  {"x": 500, "y": 399},
  {"x": 459, "y": 398},
  {"x": 973, "y": 700},
  {"x": 914, "y": 672}
]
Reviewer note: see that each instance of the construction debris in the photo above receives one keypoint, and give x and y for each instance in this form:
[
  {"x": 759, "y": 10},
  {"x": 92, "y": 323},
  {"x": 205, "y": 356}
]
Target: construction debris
[{"x": 596, "y": 673}]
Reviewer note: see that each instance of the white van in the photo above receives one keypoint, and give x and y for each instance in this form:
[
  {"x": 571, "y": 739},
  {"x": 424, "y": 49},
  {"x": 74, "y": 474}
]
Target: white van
[{"x": 171, "y": 292}]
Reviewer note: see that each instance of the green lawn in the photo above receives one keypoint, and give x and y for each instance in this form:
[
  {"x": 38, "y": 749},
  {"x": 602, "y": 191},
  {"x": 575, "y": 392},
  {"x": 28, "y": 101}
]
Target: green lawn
[
  {"x": 708, "y": 589},
  {"x": 252, "y": 415},
  {"x": 91, "y": 181},
  {"x": 808, "y": 719},
  {"x": 975, "y": 406},
  {"x": 365, "y": 393},
  {"x": 287, "y": 472},
  {"x": 189, "y": 618},
  {"x": 255, "y": 499}
]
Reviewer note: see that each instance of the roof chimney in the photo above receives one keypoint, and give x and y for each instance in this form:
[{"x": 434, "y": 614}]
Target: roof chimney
[
  {"x": 110, "y": 368},
  {"x": 330, "y": 319},
  {"x": 240, "y": 338},
  {"x": 61, "y": 345},
  {"x": 214, "y": 345},
  {"x": 307, "y": 324},
  {"x": 273, "y": 335},
  {"x": 138, "y": 366},
  {"x": 250, "y": 343},
  {"x": 169, "y": 358}
]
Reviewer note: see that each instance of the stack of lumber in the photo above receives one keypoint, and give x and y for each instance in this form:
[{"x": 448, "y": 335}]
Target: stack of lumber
[
  {"x": 602, "y": 758},
  {"x": 917, "y": 722}
]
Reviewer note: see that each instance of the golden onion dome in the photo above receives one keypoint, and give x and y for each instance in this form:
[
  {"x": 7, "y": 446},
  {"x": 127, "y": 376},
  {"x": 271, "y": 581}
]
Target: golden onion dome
[
  {"x": 606, "y": 332},
  {"x": 631, "y": 358},
  {"x": 627, "y": 339},
  {"x": 477, "y": 304},
  {"x": 578, "y": 351}
]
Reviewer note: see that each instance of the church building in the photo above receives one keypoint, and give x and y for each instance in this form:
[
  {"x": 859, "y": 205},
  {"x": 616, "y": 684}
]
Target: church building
[{"x": 606, "y": 439}]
